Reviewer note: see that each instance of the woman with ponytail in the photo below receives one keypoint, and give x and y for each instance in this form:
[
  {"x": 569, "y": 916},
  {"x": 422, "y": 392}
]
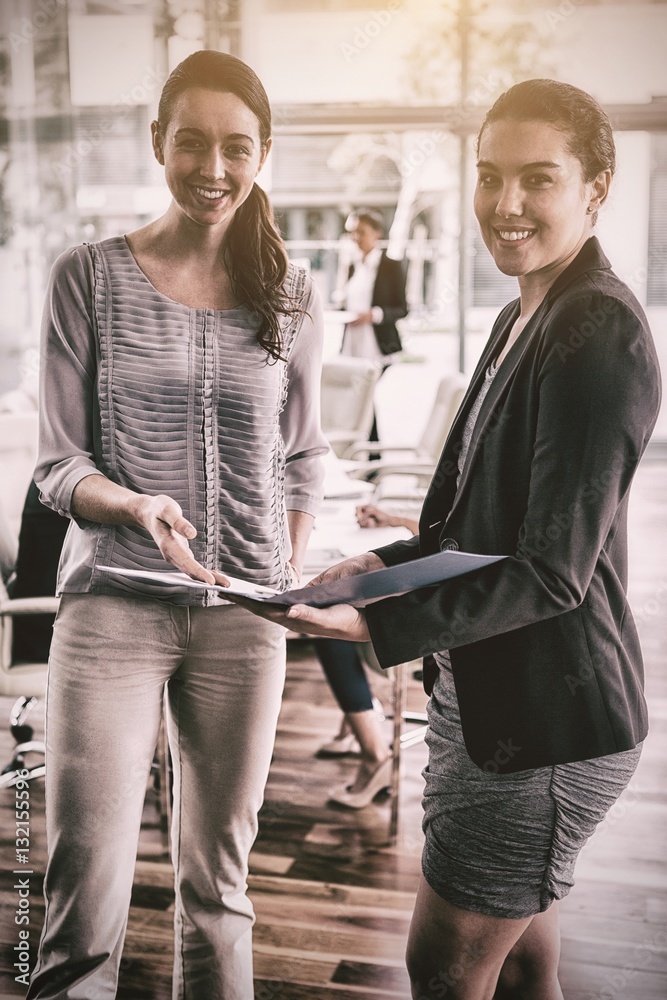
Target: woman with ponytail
[{"x": 180, "y": 422}]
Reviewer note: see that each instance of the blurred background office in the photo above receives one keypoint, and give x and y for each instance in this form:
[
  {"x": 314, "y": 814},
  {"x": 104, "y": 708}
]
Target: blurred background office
[{"x": 375, "y": 104}]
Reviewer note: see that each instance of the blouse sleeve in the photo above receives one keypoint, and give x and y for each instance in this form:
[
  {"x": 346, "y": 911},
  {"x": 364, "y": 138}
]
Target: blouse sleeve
[
  {"x": 300, "y": 419},
  {"x": 68, "y": 365}
]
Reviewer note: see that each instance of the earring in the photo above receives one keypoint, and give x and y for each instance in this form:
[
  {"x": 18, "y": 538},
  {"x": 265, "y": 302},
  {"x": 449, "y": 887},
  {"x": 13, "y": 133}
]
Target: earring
[{"x": 591, "y": 208}]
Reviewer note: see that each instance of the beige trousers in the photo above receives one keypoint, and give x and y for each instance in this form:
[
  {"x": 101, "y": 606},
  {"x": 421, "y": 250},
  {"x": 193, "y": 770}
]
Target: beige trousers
[{"x": 224, "y": 671}]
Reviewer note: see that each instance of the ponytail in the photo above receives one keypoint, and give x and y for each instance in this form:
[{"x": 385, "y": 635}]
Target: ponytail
[{"x": 257, "y": 263}]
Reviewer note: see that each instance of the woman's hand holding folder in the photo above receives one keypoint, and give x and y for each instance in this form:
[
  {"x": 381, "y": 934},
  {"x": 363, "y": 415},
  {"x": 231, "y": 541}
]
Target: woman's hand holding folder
[{"x": 339, "y": 621}]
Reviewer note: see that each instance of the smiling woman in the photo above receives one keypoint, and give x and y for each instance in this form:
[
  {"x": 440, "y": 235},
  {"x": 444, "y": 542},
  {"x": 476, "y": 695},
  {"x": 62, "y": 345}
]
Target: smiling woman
[
  {"x": 204, "y": 156},
  {"x": 180, "y": 422},
  {"x": 534, "y": 215},
  {"x": 524, "y": 763}
]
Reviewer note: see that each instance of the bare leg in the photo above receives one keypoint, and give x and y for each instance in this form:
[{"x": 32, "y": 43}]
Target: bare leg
[
  {"x": 530, "y": 971},
  {"x": 367, "y": 728},
  {"x": 455, "y": 953},
  {"x": 345, "y": 727}
]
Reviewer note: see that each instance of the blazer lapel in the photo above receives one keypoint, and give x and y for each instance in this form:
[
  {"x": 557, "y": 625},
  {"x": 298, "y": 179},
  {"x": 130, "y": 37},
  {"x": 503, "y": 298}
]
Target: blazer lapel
[
  {"x": 490, "y": 352},
  {"x": 441, "y": 492},
  {"x": 503, "y": 377},
  {"x": 589, "y": 257},
  {"x": 446, "y": 495}
]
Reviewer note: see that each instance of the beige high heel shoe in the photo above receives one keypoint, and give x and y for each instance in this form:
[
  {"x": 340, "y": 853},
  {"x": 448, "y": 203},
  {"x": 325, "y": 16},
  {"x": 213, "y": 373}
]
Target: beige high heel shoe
[
  {"x": 379, "y": 780},
  {"x": 343, "y": 745}
]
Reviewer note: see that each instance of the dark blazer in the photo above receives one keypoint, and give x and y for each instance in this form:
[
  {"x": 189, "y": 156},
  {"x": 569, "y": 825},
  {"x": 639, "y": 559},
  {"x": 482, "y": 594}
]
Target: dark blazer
[
  {"x": 389, "y": 295},
  {"x": 545, "y": 653}
]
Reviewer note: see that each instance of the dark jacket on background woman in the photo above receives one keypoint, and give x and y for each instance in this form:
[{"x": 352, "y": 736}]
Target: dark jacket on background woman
[{"x": 389, "y": 295}]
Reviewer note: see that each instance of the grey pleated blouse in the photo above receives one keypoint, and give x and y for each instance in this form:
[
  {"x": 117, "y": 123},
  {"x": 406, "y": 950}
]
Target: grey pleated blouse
[{"x": 164, "y": 398}]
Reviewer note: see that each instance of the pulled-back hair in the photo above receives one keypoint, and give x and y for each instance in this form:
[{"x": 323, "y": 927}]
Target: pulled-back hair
[
  {"x": 254, "y": 253},
  {"x": 578, "y": 115},
  {"x": 369, "y": 216}
]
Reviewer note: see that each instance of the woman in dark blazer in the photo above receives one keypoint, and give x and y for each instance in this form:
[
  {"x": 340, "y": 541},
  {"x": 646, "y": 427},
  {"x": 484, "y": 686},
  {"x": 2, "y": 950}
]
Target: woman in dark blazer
[
  {"x": 375, "y": 293},
  {"x": 384, "y": 299},
  {"x": 537, "y": 711}
]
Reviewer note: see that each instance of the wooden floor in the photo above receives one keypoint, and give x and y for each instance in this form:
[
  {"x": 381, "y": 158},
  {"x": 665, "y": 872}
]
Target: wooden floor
[{"x": 333, "y": 902}]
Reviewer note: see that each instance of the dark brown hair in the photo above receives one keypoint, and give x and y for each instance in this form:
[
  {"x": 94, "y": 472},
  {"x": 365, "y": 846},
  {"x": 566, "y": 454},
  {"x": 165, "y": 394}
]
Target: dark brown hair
[
  {"x": 254, "y": 253},
  {"x": 578, "y": 115},
  {"x": 369, "y": 216}
]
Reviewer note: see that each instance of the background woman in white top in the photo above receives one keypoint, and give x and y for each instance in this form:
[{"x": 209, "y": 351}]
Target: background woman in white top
[{"x": 375, "y": 292}]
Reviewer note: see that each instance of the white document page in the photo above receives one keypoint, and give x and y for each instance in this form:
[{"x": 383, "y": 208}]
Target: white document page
[{"x": 356, "y": 590}]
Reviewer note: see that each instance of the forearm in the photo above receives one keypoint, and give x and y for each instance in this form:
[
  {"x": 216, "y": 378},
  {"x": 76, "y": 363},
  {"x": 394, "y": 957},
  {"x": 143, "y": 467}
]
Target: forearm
[
  {"x": 399, "y": 521},
  {"x": 97, "y": 499},
  {"x": 300, "y": 526}
]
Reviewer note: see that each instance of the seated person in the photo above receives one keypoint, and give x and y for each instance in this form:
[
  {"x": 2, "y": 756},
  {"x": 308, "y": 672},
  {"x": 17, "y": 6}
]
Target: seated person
[
  {"x": 40, "y": 540},
  {"x": 361, "y": 729}
]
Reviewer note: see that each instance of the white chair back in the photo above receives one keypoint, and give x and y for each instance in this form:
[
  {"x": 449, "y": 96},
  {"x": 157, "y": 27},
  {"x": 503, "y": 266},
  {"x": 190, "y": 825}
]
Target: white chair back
[
  {"x": 347, "y": 394},
  {"x": 451, "y": 391},
  {"x": 18, "y": 454}
]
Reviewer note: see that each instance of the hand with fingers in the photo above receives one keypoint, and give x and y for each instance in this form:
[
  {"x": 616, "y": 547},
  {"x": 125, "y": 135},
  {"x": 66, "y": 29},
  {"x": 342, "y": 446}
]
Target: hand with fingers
[
  {"x": 364, "y": 563},
  {"x": 364, "y": 317},
  {"x": 340, "y": 621},
  {"x": 370, "y": 516},
  {"x": 163, "y": 518}
]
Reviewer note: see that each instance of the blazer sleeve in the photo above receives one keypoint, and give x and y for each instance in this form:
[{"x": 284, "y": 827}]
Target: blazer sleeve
[
  {"x": 399, "y": 552},
  {"x": 390, "y": 292},
  {"x": 597, "y": 404}
]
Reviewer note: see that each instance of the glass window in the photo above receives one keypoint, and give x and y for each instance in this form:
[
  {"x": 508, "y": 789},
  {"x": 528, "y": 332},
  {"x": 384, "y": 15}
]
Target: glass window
[{"x": 656, "y": 292}]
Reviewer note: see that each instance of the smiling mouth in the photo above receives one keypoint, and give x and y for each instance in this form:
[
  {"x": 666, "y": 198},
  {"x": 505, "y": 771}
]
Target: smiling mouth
[
  {"x": 211, "y": 194},
  {"x": 514, "y": 235}
]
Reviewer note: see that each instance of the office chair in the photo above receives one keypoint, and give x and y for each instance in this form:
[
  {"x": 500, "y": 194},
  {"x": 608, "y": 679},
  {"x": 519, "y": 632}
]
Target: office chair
[
  {"x": 422, "y": 457},
  {"x": 23, "y": 680},
  {"x": 347, "y": 389}
]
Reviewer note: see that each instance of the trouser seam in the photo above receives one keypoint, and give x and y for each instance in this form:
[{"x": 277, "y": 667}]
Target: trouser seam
[
  {"x": 177, "y": 839},
  {"x": 47, "y": 900}
]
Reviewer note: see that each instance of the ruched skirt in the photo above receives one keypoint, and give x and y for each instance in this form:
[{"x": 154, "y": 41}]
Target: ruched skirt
[{"x": 506, "y": 844}]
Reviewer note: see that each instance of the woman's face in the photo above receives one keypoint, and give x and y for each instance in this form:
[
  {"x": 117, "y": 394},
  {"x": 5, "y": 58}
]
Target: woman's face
[
  {"x": 211, "y": 152},
  {"x": 531, "y": 200},
  {"x": 364, "y": 236}
]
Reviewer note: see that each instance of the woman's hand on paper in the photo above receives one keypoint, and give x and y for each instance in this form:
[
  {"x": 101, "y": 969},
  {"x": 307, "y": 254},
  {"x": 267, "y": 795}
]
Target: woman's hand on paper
[
  {"x": 96, "y": 498},
  {"x": 172, "y": 532},
  {"x": 370, "y": 516},
  {"x": 340, "y": 621}
]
